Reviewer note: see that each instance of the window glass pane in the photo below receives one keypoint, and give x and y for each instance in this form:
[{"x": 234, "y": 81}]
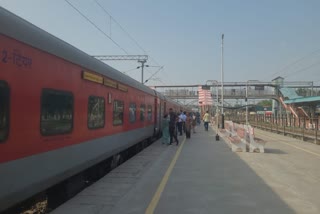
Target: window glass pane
[
  {"x": 142, "y": 111},
  {"x": 4, "y": 111},
  {"x": 118, "y": 112},
  {"x": 56, "y": 112},
  {"x": 149, "y": 112},
  {"x": 96, "y": 112},
  {"x": 132, "y": 112}
]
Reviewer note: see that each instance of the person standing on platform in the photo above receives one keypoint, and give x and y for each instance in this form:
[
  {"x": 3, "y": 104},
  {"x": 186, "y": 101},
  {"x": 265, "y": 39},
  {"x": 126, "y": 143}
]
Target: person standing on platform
[
  {"x": 165, "y": 130},
  {"x": 184, "y": 118},
  {"x": 198, "y": 118},
  {"x": 206, "y": 119},
  {"x": 180, "y": 122},
  {"x": 194, "y": 123},
  {"x": 172, "y": 126},
  {"x": 188, "y": 125}
]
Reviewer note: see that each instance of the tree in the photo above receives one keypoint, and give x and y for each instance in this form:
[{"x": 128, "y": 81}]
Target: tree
[
  {"x": 265, "y": 103},
  {"x": 302, "y": 92}
]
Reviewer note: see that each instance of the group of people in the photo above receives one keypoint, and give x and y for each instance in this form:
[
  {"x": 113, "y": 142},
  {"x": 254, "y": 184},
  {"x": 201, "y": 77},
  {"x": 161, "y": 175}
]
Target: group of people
[{"x": 174, "y": 124}]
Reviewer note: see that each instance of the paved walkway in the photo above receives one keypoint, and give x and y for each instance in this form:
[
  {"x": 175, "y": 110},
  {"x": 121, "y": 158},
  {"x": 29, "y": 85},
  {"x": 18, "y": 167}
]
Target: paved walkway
[{"x": 202, "y": 175}]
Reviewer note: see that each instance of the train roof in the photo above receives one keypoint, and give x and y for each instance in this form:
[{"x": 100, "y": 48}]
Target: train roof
[
  {"x": 161, "y": 96},
  {"x": 22, "y": 30},
  {"x": 168, "y": 99}
]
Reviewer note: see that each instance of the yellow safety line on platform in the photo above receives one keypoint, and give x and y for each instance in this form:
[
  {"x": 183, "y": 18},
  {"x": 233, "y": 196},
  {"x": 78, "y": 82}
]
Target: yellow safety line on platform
[
  {"x": 156, "y": 197},
  {"x": 305, "y": 150},
  {"x": 302, "y": 149}
]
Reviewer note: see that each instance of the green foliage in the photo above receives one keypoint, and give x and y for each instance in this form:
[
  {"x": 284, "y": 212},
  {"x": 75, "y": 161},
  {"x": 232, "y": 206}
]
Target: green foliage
[
  {"x": 265, "y": 103},
  {"x": 302, "y": 92}
]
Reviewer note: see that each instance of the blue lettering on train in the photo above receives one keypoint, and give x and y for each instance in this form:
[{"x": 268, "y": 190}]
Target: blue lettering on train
[{"x": 16, "y": 58}]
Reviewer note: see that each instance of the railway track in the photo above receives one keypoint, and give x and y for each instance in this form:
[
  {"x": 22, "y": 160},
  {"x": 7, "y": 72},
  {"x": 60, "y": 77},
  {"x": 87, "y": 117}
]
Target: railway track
[{"x": 53, "y": 197}]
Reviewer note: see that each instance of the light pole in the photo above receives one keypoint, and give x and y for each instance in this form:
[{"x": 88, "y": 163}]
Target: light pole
[
  {"x": 247, "y": 103},
  {"x": 222, "y": 79}
]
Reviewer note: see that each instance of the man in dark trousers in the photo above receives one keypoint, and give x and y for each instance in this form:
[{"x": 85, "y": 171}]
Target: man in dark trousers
[{"x": 172, "y": 126}]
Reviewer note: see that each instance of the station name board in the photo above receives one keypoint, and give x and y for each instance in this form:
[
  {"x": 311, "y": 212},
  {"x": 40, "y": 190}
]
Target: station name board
[
  {"x": 110, "y": 83},
  {"x": 90, "y": 76}
]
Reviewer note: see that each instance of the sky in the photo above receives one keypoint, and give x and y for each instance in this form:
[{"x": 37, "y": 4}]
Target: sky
[{"x": 263, "y": 39}]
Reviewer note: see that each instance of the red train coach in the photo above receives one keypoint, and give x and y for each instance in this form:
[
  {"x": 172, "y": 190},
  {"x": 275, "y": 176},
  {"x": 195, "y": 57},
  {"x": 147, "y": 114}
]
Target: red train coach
[{"x": 62, "y": 111}]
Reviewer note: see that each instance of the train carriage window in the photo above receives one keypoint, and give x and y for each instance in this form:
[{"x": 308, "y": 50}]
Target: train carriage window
[
  {"x": 118, "y": 107},
  {"x": 142, "y": 111},
  {"x": 4, "y": 111},
  {"x": 56, "y": 112},
  {"x": 149, "y": 116},
  {"x": 96, "y": 112},
  {"x": 132, "y": 112}
]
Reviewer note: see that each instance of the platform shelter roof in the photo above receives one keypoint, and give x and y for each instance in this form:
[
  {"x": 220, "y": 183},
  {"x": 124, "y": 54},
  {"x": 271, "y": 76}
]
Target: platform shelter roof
[
  {"x": 303, "y": 100},
  {"x": 289, "y": 93}
]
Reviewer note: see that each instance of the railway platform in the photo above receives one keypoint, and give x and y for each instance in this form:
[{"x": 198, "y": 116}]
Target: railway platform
[{"x": 203, "y": 175}]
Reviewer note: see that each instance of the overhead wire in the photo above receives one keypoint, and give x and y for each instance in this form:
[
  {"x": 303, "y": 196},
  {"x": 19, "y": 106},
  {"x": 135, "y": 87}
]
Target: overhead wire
[
  {"x": 303, "y": 69},
  {"x": 124, "y": 72},
  {"x": 126, "y": 32},
  {"x": 154, "y": 74},
  {"x": 96, "y": 26},
  {"x": 295, "y": 62},
  {"x": 122, "y": 28},
  {"x": 109, "y": 37}
]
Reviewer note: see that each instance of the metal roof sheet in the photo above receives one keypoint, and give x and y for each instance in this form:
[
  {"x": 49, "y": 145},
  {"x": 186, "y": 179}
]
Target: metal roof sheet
[
  {"x": 303, "y": 100},
  {"x": 289, "y": 93}
]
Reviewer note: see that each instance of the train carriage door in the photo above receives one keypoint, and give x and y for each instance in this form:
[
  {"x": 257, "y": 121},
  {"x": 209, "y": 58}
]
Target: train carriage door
[
  {"x": 4, "y": 111},
  {"x": 161, "y": 112},
  {"x": 156, "y": 116}
]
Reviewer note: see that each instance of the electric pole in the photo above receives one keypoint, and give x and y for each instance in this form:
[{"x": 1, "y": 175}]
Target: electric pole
[
  {"x": 222, "y": 79},
  {"x": 141, "y": 58},
  {"x": 142, "y": 66}
]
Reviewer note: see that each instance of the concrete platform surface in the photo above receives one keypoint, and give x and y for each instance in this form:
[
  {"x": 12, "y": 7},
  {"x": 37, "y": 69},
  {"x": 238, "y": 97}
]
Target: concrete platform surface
[{"x": 203, "y": 175}]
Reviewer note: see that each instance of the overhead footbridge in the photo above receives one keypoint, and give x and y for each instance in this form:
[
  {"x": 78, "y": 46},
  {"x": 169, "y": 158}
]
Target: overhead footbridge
[{"x": 232, "y": 90}]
